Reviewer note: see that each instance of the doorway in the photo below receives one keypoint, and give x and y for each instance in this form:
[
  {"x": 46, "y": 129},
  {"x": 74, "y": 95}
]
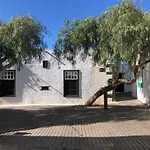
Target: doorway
[{"x": 7, "y": 84}]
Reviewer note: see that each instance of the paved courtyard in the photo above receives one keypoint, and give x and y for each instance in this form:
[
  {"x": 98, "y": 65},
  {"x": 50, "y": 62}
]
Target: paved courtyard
[{"x": 124, "y": 126}]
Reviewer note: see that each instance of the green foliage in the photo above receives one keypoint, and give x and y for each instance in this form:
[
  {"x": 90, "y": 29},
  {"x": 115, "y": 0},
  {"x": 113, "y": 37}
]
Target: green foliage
[
  {"x": 122, "y": 33},
  {"x": 21, "y": 39}
]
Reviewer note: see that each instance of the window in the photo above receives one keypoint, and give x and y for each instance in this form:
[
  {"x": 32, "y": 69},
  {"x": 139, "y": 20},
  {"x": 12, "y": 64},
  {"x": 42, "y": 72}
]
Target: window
[
  {"x": 8, "y": 75},
  {"x": 71, "y": 83},
  {"x": 44, "y": 88},
  {"x": 7, "y": 83},
  {"x": 45, "y": 64}
]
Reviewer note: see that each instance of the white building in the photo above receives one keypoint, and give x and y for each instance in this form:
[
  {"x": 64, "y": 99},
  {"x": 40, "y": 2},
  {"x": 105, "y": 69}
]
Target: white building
[
  {"x": 54, "y": 82},
  {"x": 141, "y": 89}
]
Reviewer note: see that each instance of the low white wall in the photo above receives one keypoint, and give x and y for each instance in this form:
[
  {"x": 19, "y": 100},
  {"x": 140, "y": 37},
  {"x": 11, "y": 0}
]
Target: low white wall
[
  {"x": 134, "y": 90},
  {"x": 143, "y": 94},
  {"x": 32, "y": 76}
]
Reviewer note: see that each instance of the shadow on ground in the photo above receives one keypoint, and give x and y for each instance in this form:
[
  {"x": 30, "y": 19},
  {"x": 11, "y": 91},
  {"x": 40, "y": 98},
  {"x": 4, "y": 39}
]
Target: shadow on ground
[
  {"x": 124, "y": 96},
  {"x": 75, "y": 143},
  {"x": 22, "y": 119}
]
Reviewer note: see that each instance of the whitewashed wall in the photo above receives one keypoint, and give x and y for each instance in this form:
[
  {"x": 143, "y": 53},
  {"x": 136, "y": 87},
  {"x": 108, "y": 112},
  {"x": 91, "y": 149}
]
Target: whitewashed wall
[
  {"x": 32, "y": 76},
  {"x": 134, "y": 90},
  {"x": 143, "y": 94}
]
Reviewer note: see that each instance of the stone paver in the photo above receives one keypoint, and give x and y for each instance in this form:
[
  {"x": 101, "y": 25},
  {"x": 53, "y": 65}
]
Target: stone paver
[{"x": 124, "y": 126}]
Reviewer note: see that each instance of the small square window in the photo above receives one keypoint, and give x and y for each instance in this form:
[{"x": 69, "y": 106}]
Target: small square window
[
  {"x": 44, "y": 88},
  {"x": 45, "y": 64}
]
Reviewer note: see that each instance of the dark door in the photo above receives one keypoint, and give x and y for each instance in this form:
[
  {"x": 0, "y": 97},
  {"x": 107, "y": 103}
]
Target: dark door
[
  {"x": 7, "y": 84},
  {"x": 7, "y": 88},
  {"x": 71, "y": 88}
]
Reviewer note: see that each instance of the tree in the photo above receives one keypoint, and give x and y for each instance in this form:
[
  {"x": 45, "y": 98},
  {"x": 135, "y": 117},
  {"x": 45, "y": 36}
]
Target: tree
[
  {"x": 120, "y": 34},
  {"x": 20, "y": 39}
]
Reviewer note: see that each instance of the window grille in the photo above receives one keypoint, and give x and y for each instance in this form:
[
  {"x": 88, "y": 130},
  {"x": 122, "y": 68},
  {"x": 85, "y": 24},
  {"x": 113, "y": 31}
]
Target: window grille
[
  {"x": 71, "y": 75},
  {"x": 8, "y": 75}
]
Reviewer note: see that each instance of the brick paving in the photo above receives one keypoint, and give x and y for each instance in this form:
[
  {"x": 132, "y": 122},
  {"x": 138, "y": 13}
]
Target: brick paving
[{"x": 124, "y": 126}]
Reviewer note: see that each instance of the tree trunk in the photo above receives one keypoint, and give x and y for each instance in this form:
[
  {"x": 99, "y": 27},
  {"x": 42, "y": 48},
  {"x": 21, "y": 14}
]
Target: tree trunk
[
  {"x": 99, "y": 93},
  {"x": 110, "y": 87},
  {"x": 105, "y": 89}
]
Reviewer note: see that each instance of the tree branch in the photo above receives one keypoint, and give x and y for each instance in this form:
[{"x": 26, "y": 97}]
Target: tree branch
[
  {"x": 130, "y": 82},
  {"x": 143, "y": 63},
  {"x": 6, "y": 66},
  {"x": 135, "y": 68}
]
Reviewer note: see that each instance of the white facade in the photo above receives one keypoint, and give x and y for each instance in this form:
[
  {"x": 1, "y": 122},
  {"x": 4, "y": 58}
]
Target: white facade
[
  {"x": 143, "y": 86},
  {"x": 32, "y": 76}
]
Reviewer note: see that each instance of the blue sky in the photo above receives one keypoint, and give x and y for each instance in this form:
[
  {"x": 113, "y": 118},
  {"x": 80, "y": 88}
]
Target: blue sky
[{"x": 52, "y": 13}]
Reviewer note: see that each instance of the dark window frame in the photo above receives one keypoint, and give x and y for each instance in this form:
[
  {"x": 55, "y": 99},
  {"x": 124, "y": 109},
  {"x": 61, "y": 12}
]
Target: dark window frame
[
  {"x": 45, "y": 64},
  {"x": 44, "y": 88},
  {"x": 77, "y": 85}
]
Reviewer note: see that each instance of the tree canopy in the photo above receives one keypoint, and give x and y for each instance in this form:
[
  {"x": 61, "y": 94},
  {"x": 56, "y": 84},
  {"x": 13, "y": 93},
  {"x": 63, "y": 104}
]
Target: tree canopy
[
  {"x": 20, "y": 39},
  {"x": 122, "y": 33}
]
